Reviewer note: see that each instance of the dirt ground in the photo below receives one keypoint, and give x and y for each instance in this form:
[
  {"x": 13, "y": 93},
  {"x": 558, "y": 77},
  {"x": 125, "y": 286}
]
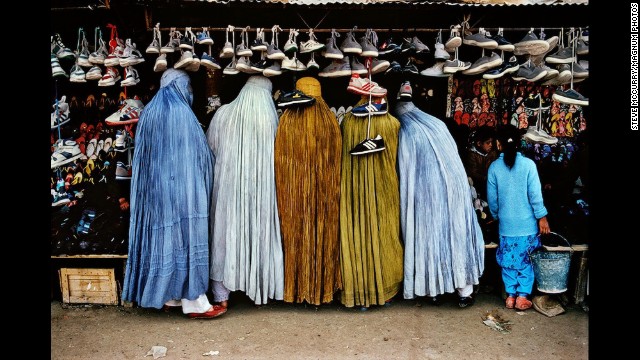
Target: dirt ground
[{"x": 405, "y": 329}]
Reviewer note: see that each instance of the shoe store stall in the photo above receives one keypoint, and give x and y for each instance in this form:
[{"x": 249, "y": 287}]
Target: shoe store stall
[{"x": 468, "y": 63}]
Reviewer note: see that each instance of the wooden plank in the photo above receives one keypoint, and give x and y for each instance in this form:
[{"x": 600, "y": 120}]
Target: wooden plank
[
  {"x": 105, "y": 256},
  {"x": 581, "y": 282},
  {"x": 95, "y": 286}
]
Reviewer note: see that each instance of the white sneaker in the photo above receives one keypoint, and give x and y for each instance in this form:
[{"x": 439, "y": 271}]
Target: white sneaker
[
  {"x": 437, "y": 70},
  {"x": 134, "y": 56},
  {"x": 539, "y": 136},
  {"x": 56, "y": 69},
  {"x": 60, "y": 117},
  {"x": 123, "y": 141},
  {"x": 230, "y": 69},
  {"x": 95, "y": 73},
  {"x": 194, "y": 65},
  {"x": 98, "y": 56},
  {"x": 66, "y": 152},
  {"x": 310, "y": 45},
  {"x": 312, "y": 64},
  {"x": 131, "y": 77},
  {"x": 291, "y": 45},
  {"x": 293, "y": 64},
  {"x": 161, "y": 63},
  {"x": 185, "y": 59},
  {"x": 227, "y": 50},
  {"x": 77, "y": 74},
  {"x": 337, "y": 68},
  {"x": 129, "y": 113},
  {"x": 364, "y": 86},
  {"x": 110, "y": 77}
]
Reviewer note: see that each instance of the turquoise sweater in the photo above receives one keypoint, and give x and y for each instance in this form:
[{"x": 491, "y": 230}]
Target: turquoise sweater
[{"x": 515, "y": 196}]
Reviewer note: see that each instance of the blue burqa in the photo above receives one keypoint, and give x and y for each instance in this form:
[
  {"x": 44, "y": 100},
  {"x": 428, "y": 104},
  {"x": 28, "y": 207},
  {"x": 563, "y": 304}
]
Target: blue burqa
[
  {"x": 443, "y": 244},
  {"x": 171, "y": 188}
]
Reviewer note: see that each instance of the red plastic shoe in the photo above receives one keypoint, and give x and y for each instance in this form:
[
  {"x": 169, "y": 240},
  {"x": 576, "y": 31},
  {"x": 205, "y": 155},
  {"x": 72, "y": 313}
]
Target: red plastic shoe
[
  {"x": 522, "y": 303},
  {"x": 511, "y": 301},
  {"x": 215, "y": 311}
]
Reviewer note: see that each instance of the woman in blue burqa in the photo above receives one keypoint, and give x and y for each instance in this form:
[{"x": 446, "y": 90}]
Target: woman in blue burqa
[
  {"x": 172, "y": 177},
  {"x": 444, "y": 247},
  {"x": 246, "y": 249}
]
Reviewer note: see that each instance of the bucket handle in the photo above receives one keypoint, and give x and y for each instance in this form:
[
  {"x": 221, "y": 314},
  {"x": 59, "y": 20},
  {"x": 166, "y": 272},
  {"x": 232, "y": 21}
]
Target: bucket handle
[{"x": 563, "y": 238}]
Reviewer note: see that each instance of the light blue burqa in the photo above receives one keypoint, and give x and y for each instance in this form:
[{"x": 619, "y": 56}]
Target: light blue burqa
[
  {"x": 443, "y": 244},
  {"x": 246, "y": 251},
  {"x": 171, "y": 183}
]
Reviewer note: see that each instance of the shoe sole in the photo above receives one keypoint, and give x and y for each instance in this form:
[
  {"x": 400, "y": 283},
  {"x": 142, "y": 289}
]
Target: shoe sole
[
  {"x": 121, "y": 122},
  {"x": 485, "y": 45},
  {"x": 552, "y": 60},
  {"x": 380, "y": 68},
  {"x": 508, "y": 47},
  {"x": 65, "y": 161},
  {"x": 540, "y": 139},
  {"x": 277, "y": 56},
  {"x": 210, "y": 65},
  {"x": 129, "y": 83},
  {"x": 568, "y": 100},
  {"x": 482, "y": 68},
  {"x": 268, "y": 72},
  {"x": 205, "y": 42},
  {"x": 369, "y": 53},
  {"x": 350, "y": 50},
  {"x": 360, "y": 72},
  {"x": 60, "y": 202},
  {"x": 118, "y": 177},
  {"x": 532, "y": 47},
  {"x": 538, "y": 77},
  {"x": 294, "y": 102},
  {"x": 337, "y": 73},
  {"x": 367, "y": 114},
  {"x": 334, "y": 56},
  {"x": 452, "y": 44},
  {"x": 363, "y": 92},
  {"x": 367, "y": 151},
  {"x": 451, "y": 70},
  {"x": 506, "y": 71},
  {"x": 202, "y": 316}
]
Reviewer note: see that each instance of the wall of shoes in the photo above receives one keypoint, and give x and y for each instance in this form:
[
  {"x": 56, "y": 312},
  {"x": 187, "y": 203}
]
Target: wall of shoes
[{"x": 100, "y": 87}]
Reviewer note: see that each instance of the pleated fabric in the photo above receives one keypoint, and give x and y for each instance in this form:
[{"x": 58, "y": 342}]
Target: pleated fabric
[
  {"x": 443, "y": 244},
  {"x": 246, "y": 251},
  {"x": 308, "y": 149},
  {"x": 171, "y": 182},
  {"x": 371, "y": 250}
]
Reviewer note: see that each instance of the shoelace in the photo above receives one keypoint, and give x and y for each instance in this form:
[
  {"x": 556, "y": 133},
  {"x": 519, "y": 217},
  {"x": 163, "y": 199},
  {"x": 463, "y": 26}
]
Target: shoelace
[
  {"x": 334, "y": 36},
  {"x": 312, "y": 36},
  {"x": 157, "y": 34},
  {"x": 274, "y": 35}
]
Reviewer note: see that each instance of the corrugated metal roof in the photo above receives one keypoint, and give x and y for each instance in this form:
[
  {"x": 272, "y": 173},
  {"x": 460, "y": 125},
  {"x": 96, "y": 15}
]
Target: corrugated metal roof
[{"x": 414, "y": 2}]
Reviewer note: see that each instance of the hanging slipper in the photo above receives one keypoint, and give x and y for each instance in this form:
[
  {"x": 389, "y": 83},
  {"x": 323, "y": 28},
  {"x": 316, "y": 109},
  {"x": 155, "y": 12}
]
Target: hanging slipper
[
  {"x": 91, "y": 148},
  {"x": 90, "y": 166},
  {"x": 107, "y": 144},
  {"x": 77, "y": 179}
]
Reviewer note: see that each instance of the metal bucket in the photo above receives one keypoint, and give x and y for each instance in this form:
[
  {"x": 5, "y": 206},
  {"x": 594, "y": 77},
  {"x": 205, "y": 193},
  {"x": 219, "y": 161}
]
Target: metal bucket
[{"x": 551, "y": 268}]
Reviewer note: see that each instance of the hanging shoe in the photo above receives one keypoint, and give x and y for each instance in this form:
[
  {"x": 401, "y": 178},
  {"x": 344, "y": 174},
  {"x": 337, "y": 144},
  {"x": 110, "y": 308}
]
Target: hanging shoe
[
  {"x": 154, "y": 47},
  {"x": 368, "y": 146},
  {"x": 291, "y": 46},
  {"x": 95, "y": 73},
  {"x": 227, "y": 50},
  {"x": 56, "y": 70},
  {"x": 129, "y": 113},
  {"x": 77, "y": 74},
  {"x": 372, "y": 108},
  {"x": 209, "y": 62},
  {"x": 131, "y": 77},
  {"x": 60, "y": 114},
  {"x": 161, "y": 63},
  {"x": 350, "y": 45},
  {"x": 203, "y": 37},
  {"x": 110, "y": 77}
]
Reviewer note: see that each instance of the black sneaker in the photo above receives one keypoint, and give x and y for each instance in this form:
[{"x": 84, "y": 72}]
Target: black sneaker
[
  {"x": 507, "y": 67},
  {"x": 570, "y": 96},
  {"x": 261, "y": 65},
  {"x": 295, "y": 97},
  {"x": 465, "y": 301},
  {"x": 388, "y": 47},
  {"x": 503, "y": 44},
  {"x": 186, "y": 43},
  {"x": 368, "y": 146},
  {"x": 394, "y": 68},
  {"x": 410, "y": 68},
  {"x": 407, "y": 46}
]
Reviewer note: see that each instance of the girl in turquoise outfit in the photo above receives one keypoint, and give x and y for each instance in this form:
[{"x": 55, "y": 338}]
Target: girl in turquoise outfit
[{"x": 515, "y": 199}]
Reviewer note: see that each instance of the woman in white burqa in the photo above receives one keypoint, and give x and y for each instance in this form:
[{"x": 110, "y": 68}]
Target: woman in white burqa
[{"x": 246, "y": 249}]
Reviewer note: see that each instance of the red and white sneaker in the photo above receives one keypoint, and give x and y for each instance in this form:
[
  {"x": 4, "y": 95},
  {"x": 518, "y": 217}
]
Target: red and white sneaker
[
  {"x": 129, "y": 113},
  {"x": 364, "y": 86},
  {"x": 110, "y": 77}
]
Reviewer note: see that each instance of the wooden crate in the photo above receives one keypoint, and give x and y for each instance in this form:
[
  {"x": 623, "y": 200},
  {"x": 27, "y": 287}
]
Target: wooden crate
[{"x": 88, "y": 286}]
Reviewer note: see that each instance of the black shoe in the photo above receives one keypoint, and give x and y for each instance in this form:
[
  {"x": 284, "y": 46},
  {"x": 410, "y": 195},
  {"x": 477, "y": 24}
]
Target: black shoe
[
  {"x": 435, "y": 300},
  {"x": 261, "y": 65},
  {"x": 394, "y": 68},
  {"x": 368, "y": 146},
  {"x": 465, "y": 301},
  {"x": 410, "y": 68},
  {"x": 296, "y": 97},
  {"x": 407, "y": 46},
  {"x": 388, "y": 47}
]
